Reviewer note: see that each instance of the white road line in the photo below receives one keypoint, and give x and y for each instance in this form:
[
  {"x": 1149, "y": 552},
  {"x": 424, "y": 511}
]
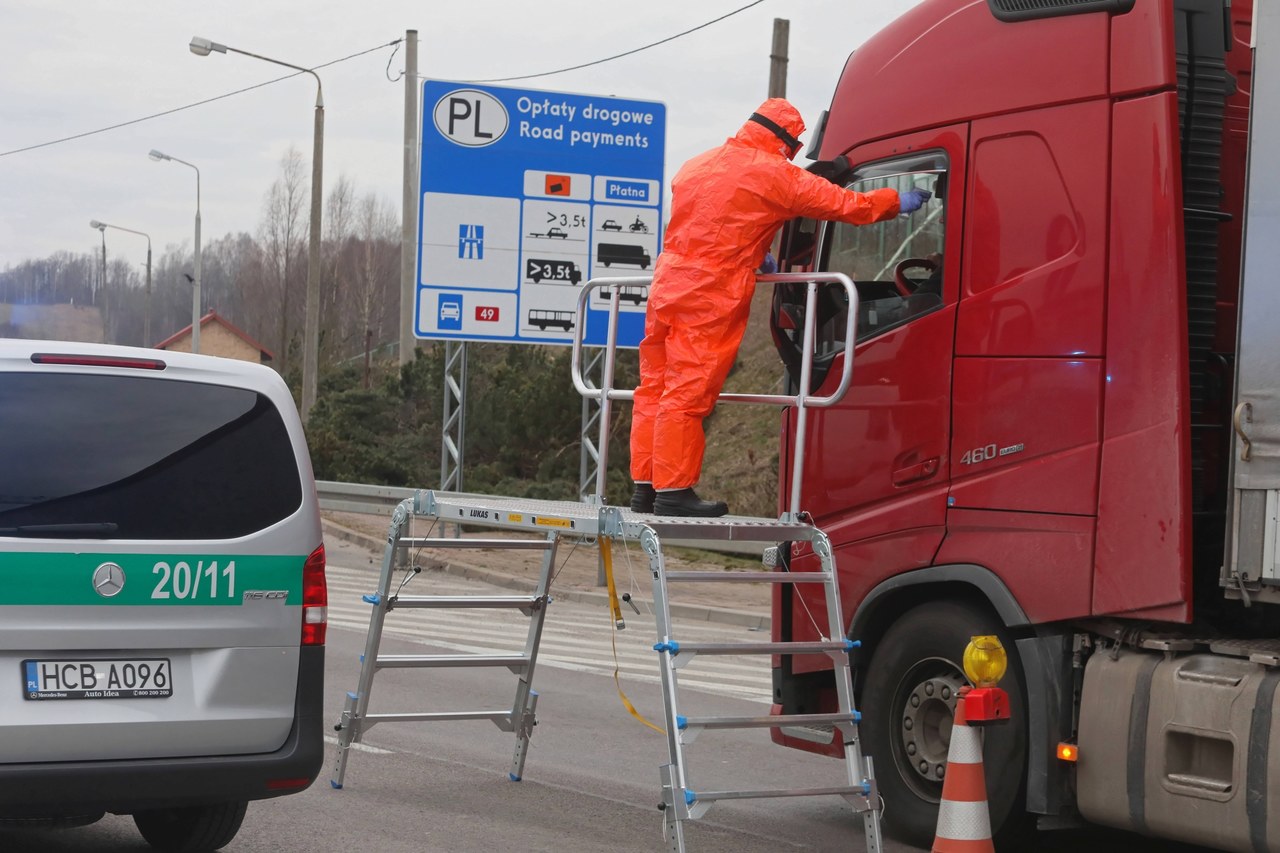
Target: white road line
[
  {"x": 576, "y": 636},
  {"x": 740, "y": 679}
]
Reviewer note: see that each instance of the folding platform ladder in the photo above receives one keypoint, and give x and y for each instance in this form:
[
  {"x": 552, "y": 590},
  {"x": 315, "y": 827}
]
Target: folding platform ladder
[
  {"x": 520, "y": 717},
  {"x": 681, "y": 801}
]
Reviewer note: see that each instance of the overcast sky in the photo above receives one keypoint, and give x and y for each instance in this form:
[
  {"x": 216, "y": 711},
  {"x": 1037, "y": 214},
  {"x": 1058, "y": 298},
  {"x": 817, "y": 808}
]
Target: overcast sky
[{"x": 69, "y": 68}]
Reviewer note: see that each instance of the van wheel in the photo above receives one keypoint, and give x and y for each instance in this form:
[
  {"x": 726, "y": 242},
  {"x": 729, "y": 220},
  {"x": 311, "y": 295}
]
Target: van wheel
[
  {"x": 194, "y": 829},
  {"x": 908, "y": 705}
]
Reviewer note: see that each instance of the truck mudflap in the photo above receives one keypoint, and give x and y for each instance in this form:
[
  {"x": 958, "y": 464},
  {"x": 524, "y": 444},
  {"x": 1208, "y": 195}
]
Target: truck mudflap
[{"x": 1196, "y": 735}]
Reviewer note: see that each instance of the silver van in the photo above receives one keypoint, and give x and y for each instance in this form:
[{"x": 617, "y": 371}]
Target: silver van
[{"x": 162, "y": 591}]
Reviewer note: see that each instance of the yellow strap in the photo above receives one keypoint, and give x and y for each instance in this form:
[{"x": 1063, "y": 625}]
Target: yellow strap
[
  {"x": 606, "y": 556},
  {"x": 615, "y": 610}
]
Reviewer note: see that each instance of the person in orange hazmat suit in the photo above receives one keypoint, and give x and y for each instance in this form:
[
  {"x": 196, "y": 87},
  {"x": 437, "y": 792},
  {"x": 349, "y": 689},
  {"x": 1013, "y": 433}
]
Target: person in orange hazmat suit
[{"x": 726, "y": 205}]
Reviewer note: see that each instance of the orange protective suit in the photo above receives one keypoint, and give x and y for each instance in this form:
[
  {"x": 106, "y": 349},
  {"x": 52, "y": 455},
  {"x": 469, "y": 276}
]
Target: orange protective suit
[{"x": 726, "y": 205}]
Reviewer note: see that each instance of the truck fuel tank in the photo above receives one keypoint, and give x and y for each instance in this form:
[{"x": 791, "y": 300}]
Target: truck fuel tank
[{"x": 1182, "y": 745}]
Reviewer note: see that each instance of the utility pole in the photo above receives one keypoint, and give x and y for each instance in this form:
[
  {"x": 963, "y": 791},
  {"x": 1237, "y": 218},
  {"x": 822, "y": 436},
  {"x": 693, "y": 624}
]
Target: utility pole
[
  {"x": 409, "y": 208},
  {"x": 778, "y": 84},
  {"x": 778, "y": 58}
]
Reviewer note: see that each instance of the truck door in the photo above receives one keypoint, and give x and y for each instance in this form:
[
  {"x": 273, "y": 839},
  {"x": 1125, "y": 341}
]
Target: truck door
[{"x": 876, "y": 467}]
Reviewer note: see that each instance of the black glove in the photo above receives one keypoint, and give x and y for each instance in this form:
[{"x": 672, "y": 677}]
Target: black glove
[{"x": 836, "y": 171}]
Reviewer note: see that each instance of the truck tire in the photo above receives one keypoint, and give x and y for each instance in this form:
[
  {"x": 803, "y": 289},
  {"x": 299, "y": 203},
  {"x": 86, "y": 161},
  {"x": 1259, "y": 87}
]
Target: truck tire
[
  {"x": 908, "y": 705},
  {"x": 194, "y": 829}
]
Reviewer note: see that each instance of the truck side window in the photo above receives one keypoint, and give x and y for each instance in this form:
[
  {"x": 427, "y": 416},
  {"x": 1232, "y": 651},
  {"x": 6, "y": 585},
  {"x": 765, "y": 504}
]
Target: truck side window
[{"x": 896, "y": 264}]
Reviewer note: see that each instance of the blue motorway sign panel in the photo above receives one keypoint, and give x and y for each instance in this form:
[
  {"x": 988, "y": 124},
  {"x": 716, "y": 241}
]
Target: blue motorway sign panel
[{"x": 524, "y": 196}]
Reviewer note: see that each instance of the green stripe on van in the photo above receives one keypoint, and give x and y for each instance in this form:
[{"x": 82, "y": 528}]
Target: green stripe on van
[{"x": 159, "y": 579}]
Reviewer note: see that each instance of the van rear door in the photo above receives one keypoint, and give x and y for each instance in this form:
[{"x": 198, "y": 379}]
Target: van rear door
[{"x": 154, "y": 525}]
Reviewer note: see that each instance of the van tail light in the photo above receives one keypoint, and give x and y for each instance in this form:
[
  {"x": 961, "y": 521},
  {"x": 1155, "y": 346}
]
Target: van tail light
[{"x": 315, "y": 599}]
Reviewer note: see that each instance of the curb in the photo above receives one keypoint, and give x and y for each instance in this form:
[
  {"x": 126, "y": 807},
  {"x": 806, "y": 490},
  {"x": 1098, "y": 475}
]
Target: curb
[{"x": 695, "y": 612}]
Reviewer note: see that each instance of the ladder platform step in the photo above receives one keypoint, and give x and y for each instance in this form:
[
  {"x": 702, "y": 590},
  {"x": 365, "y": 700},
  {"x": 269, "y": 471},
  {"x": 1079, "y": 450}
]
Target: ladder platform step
[
  {"x": 767, "y": 721},
  {"x": 739, "y": 576},
  {"x": 435, "y": 716},
  {"x": 825, "y": 646},
  {"x": 842, "y": 790},
  {"x": 466, "y": 601},
  {"x": 426, "y": 661},
  {"x": 463, "y": 544}
]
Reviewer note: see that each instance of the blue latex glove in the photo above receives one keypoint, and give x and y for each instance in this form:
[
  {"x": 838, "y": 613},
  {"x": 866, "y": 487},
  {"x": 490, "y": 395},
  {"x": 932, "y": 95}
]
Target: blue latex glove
[
  {"x": 770, "y": 264},
  {"x": 911, "y": 200}
]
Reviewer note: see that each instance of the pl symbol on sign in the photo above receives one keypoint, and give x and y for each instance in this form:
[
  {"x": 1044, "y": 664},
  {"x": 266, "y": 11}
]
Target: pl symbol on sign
[
  {"x": 472, "y": 118},
  {"x": 471, "y": 242}
]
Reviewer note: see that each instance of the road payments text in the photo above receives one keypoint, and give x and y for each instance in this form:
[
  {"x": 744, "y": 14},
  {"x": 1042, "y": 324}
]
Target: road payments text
[{"x": 589, "y": 119}]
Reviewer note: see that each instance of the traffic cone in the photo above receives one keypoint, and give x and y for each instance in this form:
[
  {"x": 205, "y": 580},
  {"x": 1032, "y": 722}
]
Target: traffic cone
[{"x": 964, "y": 824}]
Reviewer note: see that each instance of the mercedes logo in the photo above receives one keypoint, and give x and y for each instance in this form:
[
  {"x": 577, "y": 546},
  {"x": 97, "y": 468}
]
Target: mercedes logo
[{"x": 108, "y": 580}]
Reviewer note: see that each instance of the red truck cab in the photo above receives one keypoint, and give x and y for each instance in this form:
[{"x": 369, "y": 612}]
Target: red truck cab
[{"x": 1035, "y": 441}]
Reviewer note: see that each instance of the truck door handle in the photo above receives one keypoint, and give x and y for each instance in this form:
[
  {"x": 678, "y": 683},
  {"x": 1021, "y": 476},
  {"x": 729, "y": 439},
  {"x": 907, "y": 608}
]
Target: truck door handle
[{"x": 913, "y": 473}]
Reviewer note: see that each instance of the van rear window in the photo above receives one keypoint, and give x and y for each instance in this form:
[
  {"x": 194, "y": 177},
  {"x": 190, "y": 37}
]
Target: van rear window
[{"x": 145, "y": 458}]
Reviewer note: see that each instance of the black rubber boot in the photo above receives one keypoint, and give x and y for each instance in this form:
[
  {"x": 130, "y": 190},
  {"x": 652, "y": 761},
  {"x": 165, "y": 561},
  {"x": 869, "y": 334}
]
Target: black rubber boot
[
  {"x": 686, "y": 503},
  {"x": 642, "y": 498}
]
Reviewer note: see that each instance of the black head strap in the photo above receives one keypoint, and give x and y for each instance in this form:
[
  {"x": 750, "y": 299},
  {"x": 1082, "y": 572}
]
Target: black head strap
[{"x": 777, "y": 130}]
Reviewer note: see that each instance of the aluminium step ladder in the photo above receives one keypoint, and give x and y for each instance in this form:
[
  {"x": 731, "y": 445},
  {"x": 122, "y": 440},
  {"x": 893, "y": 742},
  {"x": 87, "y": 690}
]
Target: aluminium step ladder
[
  {"x": 520, "y": 718},
  {"x": 681, "y": 801}
]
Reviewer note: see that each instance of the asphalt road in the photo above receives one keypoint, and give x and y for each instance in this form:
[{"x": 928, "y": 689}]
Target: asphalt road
[{"x": 591, "y": 780}]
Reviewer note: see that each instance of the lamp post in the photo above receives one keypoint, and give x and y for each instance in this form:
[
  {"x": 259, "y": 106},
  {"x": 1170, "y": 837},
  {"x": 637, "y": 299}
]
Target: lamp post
[
  {"x": 102, "y": 282},
  {"x": 195, "y": 292},
  {"x": 102, "y": 227},
  {"x": 311, "y": 332}
]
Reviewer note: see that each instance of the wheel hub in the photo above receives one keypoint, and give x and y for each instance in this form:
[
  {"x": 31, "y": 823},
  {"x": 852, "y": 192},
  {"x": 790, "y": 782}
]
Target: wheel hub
[{"x": 925, "y": 727}]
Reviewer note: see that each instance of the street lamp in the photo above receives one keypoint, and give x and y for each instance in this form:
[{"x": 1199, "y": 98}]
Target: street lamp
[
  {"x": 311, "y": 332},
  {"x": 195, "y": 293},
  {"x": 102, "y": 227},
  {"x": 102, "y": 282}
]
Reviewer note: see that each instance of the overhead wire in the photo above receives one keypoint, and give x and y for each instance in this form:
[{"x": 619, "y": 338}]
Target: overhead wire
[
  {"x": 618, "y": 55},
  {"x": 193, "y": 105},
  {"x": 394, "y": 43}
]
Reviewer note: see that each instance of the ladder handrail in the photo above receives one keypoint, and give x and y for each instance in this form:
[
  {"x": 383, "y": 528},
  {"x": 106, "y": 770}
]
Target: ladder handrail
[{"x": 802, "y": 400}]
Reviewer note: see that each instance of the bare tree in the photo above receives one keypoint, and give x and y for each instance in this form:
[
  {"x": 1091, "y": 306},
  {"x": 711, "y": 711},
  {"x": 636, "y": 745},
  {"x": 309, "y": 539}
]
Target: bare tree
[
  {"x": 338, "y": 216},
  {"x": 375, "y": 264},
  {"x": 282, "y": 236}
]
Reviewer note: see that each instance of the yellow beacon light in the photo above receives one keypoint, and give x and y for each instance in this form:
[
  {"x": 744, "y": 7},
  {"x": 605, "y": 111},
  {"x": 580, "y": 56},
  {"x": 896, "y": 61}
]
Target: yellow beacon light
[{"x": 985, "y": 661}]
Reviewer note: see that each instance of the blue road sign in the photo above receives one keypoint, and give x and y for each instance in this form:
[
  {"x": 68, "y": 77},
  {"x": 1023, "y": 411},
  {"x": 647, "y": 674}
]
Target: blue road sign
[{"x": 525, "y": 195}]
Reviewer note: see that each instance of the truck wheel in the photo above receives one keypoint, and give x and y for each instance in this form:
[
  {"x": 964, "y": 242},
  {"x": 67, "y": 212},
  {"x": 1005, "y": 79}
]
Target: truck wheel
[
  {"x": 194, "y": 829},
  {"x": 908, "y": 705}
]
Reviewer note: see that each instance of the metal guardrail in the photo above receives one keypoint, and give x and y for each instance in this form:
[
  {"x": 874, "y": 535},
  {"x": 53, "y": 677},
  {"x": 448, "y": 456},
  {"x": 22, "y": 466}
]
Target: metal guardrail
[{"x": 361, "y": 498}]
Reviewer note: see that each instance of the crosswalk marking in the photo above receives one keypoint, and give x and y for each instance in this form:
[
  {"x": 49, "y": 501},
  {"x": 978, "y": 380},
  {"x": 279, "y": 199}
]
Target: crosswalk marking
[{"x": 576, "y": 636}]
